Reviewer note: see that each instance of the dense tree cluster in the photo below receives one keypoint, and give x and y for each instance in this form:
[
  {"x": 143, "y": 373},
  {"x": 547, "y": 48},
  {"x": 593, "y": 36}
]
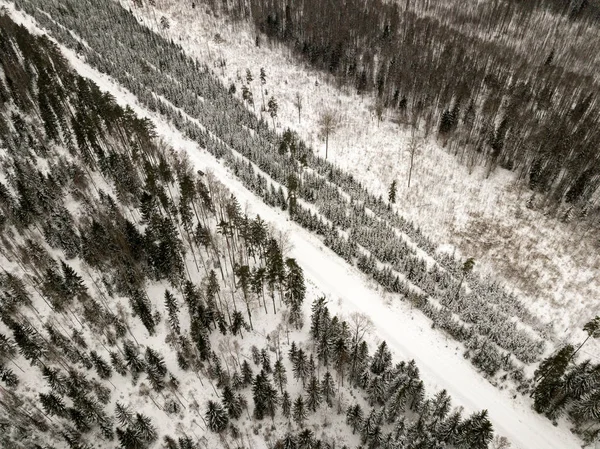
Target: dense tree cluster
[
  {"x": 355, "y": 224},
  {"x": 95, "y": 213},
  {"x": 466, "y": 72},
  {"x": 174, "y": 212},
  {"x": 564, "y": 387}
]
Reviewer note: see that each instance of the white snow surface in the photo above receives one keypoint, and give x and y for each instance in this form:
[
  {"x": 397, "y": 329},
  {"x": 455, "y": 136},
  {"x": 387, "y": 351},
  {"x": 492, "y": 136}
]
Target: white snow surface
[
  {"x": 553, "y": 266},
  {"x": 408, "y": 333}
]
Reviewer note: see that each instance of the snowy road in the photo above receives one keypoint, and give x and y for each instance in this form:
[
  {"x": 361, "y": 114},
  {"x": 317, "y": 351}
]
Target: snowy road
[{"x": 407, "y": 332}]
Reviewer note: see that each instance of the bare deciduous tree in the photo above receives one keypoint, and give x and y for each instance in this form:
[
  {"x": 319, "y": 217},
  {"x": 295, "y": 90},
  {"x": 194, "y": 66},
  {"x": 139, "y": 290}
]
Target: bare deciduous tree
[
  {"x": 413, "y": 148},
  {"x": 298, "y": 104},
  {"x": 360, "y": 324},
  {"x": 328, "y": 124}
]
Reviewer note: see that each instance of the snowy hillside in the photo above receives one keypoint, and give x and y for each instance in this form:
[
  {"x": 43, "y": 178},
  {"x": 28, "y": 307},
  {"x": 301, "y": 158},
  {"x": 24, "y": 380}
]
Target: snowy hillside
[
  {"x": 246, "y": 279},
  {"x": 551, "y": 263}
]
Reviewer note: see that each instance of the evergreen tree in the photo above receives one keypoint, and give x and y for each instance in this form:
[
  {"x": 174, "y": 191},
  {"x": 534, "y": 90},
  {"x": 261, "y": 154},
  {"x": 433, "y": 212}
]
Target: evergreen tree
[
  {"x": 53, "y": 404},
  {"x": 450, "y": 430},
  {"x": 289, "y": 442},
  {"x": 232, "y": 403},
  {"x": 592, "y": 329},
  {"x": 265, "y": 361},
  {"x": 340, "y": 355},
  {"x": 295, "y": 291},
  {"x": 587, "y": 408},
  {"x": 299, "y": 412},
  {"x": 328, "y": 388},
  {"x": 156, "y": 369},
  {"x": 441, "y": 405},
  {"x": 133, "y": 361},
  {"x": 293, "y": 352},
  {"x": 275, "y": 270},
  {"x": 476, "y": 432},
  {"x": 247, "y": 374},
  {"x": 265, "y": 396},
  {"x": 129, "y": 439},
  {"x": 286, "y": 405},
  {"x": 216, "y": 417},
  {"x": 306, "y": 439},
  {"x": 172, "y": 309},
  {"x": 124, "y": 415},
  {"x": 279, "y": 375},
  {"x": 144, "y": 428},
  {"x": 549, "y": 377},
  {"x": 392, "y": 192},
  {"x": 301, "y": 368},
  {"x": 31, "y": 346},
  {"x": 313, "y": 394},
  {"x": 8, "y": 377},
  {"x": 272, "y": 108},
  {"x": 382, "y": 359},
  {"x": 102, "y": 367},
  {"x": 354, "y": 417},
  {"x": 118, "y": 363}
]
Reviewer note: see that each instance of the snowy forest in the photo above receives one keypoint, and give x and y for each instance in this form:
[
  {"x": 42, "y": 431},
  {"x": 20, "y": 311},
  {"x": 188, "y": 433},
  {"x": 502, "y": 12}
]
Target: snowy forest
[
  {"x": 504, "y": 83},
  {"x": 143, "y": 305}
]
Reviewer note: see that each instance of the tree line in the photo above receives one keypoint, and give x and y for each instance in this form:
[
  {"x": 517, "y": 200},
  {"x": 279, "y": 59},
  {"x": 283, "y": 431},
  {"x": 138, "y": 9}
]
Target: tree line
[
  {"x": 462, "y": 74},
  {"x": 95, "y": 212},
  {"x": 489, "y": 337}
]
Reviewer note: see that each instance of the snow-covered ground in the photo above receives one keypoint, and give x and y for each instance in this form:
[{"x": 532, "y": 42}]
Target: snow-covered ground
[
  {"x": 408, "y": 333},
  {"x": 554, "y": 265}
]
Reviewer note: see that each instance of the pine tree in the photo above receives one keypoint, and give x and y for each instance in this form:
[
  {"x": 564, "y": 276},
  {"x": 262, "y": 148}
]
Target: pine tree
[
  {"x": 587, "y": 408},
  {"x": 382, "y": 359},
  {"x": 328, "y": 388},
  {"x": 156, "y": 369},
  {"x": 30, "y": 344},
  {"x": 265, "y": 396},
  {"x": 265, "y": 361},
  {"x": 306, "y": 439},
  {"x": 102, "y": 367},
  {"x": 172, "y": 309},
  {"x": 293, "y": 352},
  {"x": 129, "y": 439},
  {"x": 232, "y": 403},
  {"x": 216, "y": 417},
  {"x": 299, "y": 412},
  {"x": 53, "y": 404},
  {"x": 124, "y": 415},
  {"x": 118, "y": 363},
  {"x": 288, "y": 442},
  {"x": 286, "y": 405},
  {"x": 247, "y": 374},
  {"x": 8, "y": 377},
  {"x": 354, "y": 417},
  {"x": 549, "y": 377},
  {"x": 340, "y": 355},
  {"x": 450, "y": 430},
  {"x": 133, "y": 360},
  {"x": 301, "y": 368},
  {"x": 244, "y": 278},
  {"x": 476, "y": 431},
  {"x": 275, "y": 270},
  {"x": 56, "y": 380},
  {"x": 592, "y": 329},
  {"x": 392, "y": 192},
  {"x": 441, "y": 405},
  {"x": 272, "y": 108},
  {"x": 313, "y": 394},
  {"x": 238, "y": 323},
  {"x": 279, "y": 375},
  {"x": 295, "y": 290},
  {"x": 144, "y": 428}
]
